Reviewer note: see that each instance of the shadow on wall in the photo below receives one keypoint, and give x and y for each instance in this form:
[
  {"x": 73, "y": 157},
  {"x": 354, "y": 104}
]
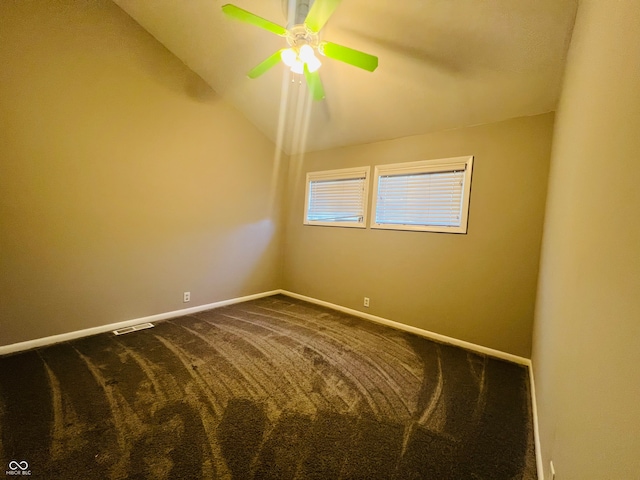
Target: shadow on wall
[
  {"x": 175, "y": 77},
  {"x": 199, "y": 90},
  {"x": 170, "y": 72}
]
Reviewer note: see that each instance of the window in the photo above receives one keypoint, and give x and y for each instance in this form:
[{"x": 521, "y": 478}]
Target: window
[
  {"x": 430, "y": 196},
  {"x": 337, "y": 198}
]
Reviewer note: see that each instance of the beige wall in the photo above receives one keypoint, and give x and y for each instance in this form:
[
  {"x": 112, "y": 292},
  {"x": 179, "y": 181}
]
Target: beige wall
[
  {"x": 587, "y": 330},
  {"x": 478, "y": 287},
  {"x": 124, "y": 180}
]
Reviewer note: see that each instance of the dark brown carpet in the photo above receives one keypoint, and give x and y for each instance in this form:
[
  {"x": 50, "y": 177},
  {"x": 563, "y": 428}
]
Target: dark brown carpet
[{"x": 274, "y": 388}]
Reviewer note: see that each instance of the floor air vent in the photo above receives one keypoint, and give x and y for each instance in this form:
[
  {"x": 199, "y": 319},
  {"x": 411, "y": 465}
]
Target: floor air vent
[{"x": 142, "y": 326}]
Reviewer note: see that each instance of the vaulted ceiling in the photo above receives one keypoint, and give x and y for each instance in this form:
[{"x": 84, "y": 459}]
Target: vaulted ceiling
[{"x": 442, "y": 64}]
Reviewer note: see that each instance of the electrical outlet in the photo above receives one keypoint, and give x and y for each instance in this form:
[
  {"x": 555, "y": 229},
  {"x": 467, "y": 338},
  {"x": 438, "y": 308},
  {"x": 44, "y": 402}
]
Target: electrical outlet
[
  {"x": 186, "y": 297},
  {"x": 552, "y": 471},
  {"x": 366, "y": 301}
]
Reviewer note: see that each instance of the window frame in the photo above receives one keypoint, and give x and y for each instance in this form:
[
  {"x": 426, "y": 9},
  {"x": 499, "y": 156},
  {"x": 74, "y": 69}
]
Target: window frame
[
  {"x": 339, "y": 174},
  {"x": 420, "y": 167}
]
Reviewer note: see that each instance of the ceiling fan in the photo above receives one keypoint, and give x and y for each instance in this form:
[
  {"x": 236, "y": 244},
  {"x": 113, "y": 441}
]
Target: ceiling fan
[{"x": 303, "y": 42}]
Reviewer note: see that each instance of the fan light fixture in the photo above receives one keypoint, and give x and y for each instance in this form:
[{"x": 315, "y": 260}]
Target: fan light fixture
[
  {"x": 297, "y": 58},
  {"x": 303, "y": 42}
]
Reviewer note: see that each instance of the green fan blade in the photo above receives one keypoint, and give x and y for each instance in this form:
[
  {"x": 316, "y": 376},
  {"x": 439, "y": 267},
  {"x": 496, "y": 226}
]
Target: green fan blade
[
  {"x": 248, "y": 17},
  {"x": 314, "y": 83},
  {"x": 320, "y": 12},
  {"x": 349, "y": 55},
  {"x": 270, "y": 62}
]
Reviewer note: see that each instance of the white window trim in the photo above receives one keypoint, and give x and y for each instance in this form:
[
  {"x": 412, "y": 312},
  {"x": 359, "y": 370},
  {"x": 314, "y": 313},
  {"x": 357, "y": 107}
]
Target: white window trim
[
  {"x": 340, "y": 174},
  {"x": 426, "y": 166}
]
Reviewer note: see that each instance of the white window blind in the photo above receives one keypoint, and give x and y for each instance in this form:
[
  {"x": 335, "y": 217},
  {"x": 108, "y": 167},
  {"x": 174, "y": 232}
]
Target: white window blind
[
  {"x": 337, "y": 197},
  {"x": 421, "y": 199},
  {"x": 336, "y": 200},
  {"x": 429, "y": 196}
]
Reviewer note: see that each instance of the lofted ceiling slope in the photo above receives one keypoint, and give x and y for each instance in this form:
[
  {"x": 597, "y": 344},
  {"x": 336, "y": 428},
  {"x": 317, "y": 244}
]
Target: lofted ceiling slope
[{"x": 442, "y": 64}]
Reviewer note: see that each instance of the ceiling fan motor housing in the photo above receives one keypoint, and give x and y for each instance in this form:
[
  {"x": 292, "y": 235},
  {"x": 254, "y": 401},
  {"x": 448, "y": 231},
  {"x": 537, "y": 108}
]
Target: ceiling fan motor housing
[{"x": 300, "y": 35}]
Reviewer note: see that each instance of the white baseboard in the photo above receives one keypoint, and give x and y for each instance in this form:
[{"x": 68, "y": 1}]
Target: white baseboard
[
  {"x": 536, "y": 431},
  {"x": 418, "y": 331},
  {"x": 63, "y": 337}
]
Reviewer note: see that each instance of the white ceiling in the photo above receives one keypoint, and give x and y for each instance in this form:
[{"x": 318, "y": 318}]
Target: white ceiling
[{"x": 442, "y": 64}]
